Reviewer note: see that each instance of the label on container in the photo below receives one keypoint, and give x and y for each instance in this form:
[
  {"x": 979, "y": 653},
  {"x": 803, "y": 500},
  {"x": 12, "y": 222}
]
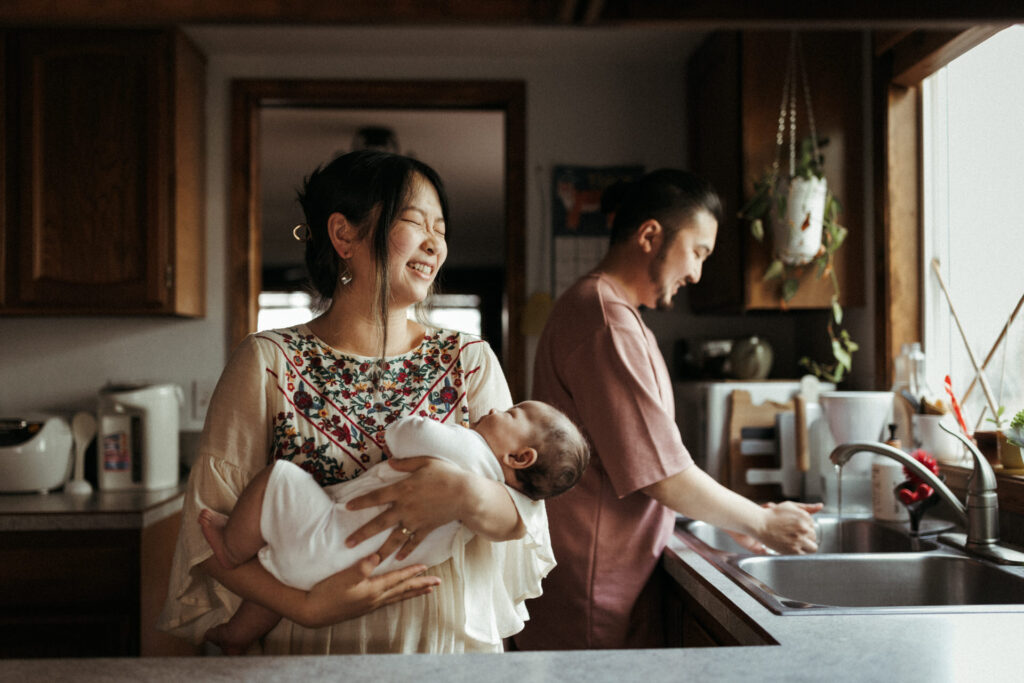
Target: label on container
[
  {"x": 117, "y": 454},
  {"x": 885, "y": 477}
]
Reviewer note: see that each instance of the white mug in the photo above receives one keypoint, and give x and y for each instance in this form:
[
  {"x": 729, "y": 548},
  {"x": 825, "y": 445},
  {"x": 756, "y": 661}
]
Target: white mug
[{"x": 944, "y": 447}]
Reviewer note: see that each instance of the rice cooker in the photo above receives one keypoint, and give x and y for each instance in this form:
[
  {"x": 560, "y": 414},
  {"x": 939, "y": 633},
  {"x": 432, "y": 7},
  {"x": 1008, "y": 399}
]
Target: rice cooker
[{"x": 35, "y": 453}]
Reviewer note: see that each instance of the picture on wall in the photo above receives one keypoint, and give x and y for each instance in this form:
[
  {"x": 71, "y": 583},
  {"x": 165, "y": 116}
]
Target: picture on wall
[{"x": 580, "y": 231}]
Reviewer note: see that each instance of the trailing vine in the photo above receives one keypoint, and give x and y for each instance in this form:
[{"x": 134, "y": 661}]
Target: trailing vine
[{"x": 768, "y": 201}]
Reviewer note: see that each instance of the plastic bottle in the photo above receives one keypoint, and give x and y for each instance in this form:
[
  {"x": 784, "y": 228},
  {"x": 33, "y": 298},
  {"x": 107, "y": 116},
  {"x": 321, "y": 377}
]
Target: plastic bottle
[
  {"x": 908, "y": 375},
  {"x": 886, "y": 475}
]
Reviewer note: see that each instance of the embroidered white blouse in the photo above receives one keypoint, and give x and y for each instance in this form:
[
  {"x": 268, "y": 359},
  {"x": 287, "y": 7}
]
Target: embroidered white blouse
[{"x": 286, "y": 394}]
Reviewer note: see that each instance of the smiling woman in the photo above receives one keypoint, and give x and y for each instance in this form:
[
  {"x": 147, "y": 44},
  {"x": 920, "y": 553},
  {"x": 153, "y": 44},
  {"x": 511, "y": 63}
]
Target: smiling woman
[{"x": 321, "y": 396}]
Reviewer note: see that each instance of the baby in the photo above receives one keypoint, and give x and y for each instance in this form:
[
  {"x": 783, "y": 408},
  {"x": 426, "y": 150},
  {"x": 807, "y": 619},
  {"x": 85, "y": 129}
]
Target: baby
[{"x": 298, "y": 529}]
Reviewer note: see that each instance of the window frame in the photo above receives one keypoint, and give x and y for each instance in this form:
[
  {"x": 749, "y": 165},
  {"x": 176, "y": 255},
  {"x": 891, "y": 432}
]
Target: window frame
[{"x": 902, "y": 62}]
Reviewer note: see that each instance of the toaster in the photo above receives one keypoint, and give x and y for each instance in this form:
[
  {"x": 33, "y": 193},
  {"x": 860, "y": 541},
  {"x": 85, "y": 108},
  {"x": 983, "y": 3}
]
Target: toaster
[{"x": 35, "y": 454}]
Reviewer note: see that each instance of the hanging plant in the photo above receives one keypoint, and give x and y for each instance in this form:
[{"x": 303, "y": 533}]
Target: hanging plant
[{"x": 802, "y": 214}]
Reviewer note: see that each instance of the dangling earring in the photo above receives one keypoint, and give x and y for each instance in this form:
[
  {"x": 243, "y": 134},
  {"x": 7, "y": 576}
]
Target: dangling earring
[{"x": 346, "y": 275}]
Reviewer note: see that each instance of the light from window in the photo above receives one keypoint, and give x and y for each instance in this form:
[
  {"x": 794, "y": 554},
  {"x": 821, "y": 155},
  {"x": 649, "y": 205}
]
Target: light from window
[
  {"x": 973, "y": 222},
  {"x": 283, "y": 309},
  {"x": 459, "y": 312}
]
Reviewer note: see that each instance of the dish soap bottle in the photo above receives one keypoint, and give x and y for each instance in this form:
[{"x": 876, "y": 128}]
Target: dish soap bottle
[{"x": 886, "y": 475}]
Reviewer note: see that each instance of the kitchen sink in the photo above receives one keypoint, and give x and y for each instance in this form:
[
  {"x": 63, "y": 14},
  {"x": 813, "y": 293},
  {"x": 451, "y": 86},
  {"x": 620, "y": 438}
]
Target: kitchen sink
[
  {"x": 863, "y": 566},
  {"x": 883, "y": 582},
  {"x": 835, "y": 535}
]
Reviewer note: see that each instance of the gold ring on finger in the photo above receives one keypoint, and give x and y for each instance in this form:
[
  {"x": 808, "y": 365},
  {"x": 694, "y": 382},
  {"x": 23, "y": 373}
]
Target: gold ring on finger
[{"x": 406, "y": 531}]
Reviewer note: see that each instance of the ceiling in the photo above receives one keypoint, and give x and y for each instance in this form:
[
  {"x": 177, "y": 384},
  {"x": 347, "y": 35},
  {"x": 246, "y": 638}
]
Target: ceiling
[{"x": 697, "y": 14}]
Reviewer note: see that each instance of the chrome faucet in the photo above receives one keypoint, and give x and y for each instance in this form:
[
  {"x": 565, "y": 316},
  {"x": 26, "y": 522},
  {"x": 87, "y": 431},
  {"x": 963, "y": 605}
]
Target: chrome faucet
[{"x": 981, "y": 514}]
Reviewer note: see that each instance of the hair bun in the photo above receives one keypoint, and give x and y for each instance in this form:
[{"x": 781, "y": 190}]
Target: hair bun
[{"x": 613, "y": 195}]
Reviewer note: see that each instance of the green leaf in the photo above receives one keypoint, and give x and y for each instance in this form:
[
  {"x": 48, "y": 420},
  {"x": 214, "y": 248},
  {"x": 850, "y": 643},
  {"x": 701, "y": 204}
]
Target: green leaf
[
  {"x": 837, "y": 311},
  {"x": 775, "y": 270},
  {"x": 842, "y": 357},
  {"x": 757, "y": 229},
  {"x": 789, "y": 288}
]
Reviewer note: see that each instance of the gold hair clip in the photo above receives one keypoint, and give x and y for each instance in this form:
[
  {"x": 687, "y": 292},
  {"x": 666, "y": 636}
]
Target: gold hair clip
[{"x": 299, "y": 236}]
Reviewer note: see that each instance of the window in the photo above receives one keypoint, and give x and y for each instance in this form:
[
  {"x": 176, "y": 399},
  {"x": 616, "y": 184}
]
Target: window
[
  {"x": 973, "y": 147},
  {"x": 450, "y": 311}
]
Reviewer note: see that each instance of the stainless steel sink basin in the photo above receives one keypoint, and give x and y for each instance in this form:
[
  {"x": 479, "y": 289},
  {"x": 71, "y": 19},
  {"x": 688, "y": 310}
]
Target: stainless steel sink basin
[
  {"x": 880, "y": 582},
  {"x": 864, "y": 566},
  {"x": 835, "y": 535}
]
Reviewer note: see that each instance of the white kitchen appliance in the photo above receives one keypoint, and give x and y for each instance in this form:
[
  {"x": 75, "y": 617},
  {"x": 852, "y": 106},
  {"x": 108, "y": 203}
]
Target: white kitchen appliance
[
  {"x": 137, "y": 441},
  {"x": 35, "y": 453}
]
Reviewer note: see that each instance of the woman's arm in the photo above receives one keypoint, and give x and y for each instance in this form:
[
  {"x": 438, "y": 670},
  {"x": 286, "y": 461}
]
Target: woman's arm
[
  {"x": 350, "y": 593},
  {"x": 435, "y": 493}
]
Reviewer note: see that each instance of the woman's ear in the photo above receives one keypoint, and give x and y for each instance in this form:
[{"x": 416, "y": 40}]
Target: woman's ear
[
  {"x": 649, "y": 236},
  {"x": 521, "y": 459},
  {"x": 342, "y": 233}
]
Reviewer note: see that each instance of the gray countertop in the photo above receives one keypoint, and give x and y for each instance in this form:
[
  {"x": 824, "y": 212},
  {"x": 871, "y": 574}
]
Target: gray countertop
[
  {"x": 133, "y": 509},
  {"x": 904, "y": 647}
]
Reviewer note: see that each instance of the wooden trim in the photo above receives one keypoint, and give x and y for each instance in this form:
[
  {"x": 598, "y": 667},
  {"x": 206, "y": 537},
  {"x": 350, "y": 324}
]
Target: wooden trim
[
  {"x": 1009, "y": 487},
  {"x": 249, "y": 96},
  {"x": 696, "y": 14},
  {"x": 898, "y": 247},
  {"x": 902, "y": 61},
  {"x": 921, "y": 53}
]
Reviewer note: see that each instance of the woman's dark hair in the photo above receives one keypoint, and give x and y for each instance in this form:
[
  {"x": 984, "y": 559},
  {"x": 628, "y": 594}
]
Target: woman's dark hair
[
  {"x": 369, "y": 188},
  {"x": 669, "y": 196}
]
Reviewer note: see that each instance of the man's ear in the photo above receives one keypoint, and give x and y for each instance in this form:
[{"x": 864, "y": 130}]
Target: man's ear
[
  {"x": 342, "y": 233},
  {"x": 649, "y": 236},
  {"x": 521, "y": 459}
]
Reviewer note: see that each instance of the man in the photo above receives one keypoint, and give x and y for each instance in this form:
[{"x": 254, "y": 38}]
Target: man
[{"x": 599, "y": 363}]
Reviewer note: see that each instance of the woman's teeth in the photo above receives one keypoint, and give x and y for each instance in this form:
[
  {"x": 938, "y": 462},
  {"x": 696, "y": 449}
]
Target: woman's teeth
[{"x": 421, "y": 268}]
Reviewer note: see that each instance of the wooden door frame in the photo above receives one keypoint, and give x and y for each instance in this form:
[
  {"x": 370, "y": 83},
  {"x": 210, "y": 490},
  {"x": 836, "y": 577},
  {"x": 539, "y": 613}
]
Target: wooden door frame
[{"x": 249, "y": 96}]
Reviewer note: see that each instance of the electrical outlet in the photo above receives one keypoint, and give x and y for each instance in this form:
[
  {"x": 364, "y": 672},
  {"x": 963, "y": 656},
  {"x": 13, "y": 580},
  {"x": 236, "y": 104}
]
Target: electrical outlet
[{"x": 202, "y": 391}]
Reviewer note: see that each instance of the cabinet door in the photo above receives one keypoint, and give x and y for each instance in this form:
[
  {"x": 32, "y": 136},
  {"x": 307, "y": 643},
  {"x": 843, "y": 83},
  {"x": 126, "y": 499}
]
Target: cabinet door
[{"x": 92, "y": 223}]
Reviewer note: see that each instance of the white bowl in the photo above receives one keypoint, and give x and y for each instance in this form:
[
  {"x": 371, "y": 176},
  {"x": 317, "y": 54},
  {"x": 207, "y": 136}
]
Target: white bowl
[
  {"x": 41, "y": 461},
  {"x": 856, "y": 415}
]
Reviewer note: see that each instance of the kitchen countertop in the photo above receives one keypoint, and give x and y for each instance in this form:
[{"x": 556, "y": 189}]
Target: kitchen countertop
[
  {"x": 904, "y": 647},
  {"x": 59, "y": 511}
]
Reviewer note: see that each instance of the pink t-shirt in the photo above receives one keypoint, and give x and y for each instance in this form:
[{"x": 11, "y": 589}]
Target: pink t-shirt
[{"x": 599, "y": 363}]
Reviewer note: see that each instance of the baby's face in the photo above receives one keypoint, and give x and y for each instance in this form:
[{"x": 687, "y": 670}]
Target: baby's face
[{"x": 514, "y": 428}]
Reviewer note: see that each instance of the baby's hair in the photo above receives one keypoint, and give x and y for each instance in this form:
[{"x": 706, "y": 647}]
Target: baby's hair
[{"x": 562, "y": 456}]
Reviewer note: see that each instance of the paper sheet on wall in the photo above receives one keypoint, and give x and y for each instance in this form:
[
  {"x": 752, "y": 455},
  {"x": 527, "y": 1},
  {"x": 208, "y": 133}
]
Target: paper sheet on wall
[{"x": 580, "y": 231}]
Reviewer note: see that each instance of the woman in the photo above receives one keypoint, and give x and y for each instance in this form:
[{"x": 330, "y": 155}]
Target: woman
[{"x": 321, "y": 395}]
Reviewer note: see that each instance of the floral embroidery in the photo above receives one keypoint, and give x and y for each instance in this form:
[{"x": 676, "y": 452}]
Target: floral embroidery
[{"x": 336, "y": 416}]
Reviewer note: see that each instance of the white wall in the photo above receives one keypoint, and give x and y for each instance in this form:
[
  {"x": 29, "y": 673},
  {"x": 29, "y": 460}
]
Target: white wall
[{"x": 594, "y": 97}]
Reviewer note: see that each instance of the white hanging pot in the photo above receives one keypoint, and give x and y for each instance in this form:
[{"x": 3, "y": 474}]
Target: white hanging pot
[{"x": 797, "y": 234}]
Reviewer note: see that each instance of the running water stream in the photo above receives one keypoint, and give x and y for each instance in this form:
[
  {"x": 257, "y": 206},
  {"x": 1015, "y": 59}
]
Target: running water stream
[{"x": 839, "y": 506}]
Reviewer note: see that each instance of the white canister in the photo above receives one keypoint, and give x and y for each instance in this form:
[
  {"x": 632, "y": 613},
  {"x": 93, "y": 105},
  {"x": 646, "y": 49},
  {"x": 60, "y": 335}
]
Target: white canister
[{"x": 886, "y": 475}]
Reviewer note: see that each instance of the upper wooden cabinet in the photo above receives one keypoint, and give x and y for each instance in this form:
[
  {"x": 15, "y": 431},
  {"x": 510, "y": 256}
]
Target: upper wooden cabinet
[
  {"x": 103, "y": 156},
  {"x": 735, "y": 85}
]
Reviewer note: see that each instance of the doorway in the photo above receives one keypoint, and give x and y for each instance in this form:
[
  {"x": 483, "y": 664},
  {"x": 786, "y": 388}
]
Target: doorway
[{"x": 250, "y": 98}]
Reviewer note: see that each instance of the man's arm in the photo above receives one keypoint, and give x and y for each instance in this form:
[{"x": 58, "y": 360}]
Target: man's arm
[{"x": 786, "y": 527}]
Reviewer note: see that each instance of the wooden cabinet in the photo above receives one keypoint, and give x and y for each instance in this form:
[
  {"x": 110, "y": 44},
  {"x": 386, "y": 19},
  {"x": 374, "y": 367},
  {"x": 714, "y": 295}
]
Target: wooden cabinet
[
  {"x": 735, "y": 85},
  {"x": 87, "y": 593},
  {"x": 103, "y": 151}
]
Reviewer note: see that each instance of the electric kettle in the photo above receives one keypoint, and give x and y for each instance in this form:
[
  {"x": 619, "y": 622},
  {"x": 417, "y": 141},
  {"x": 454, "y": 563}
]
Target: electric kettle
[{"x": 137, "y": 443}]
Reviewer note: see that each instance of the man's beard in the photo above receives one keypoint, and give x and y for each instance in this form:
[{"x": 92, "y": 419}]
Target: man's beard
[{"x": 654, "y": 271}]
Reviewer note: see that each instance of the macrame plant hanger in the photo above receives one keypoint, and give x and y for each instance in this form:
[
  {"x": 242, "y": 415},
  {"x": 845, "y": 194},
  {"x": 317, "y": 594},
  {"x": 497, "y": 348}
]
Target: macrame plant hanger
[
  {"x": 795, "y": 67},
  {"x": 801, "y": 195}
]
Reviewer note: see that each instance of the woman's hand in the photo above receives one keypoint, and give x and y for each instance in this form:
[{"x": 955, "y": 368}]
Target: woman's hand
[
  {"x": 789, "y": 527},
  {"x": 353, "y": 592},
  {"x": 435, "y": 493},
  {"x": 347, "y": 594}
]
